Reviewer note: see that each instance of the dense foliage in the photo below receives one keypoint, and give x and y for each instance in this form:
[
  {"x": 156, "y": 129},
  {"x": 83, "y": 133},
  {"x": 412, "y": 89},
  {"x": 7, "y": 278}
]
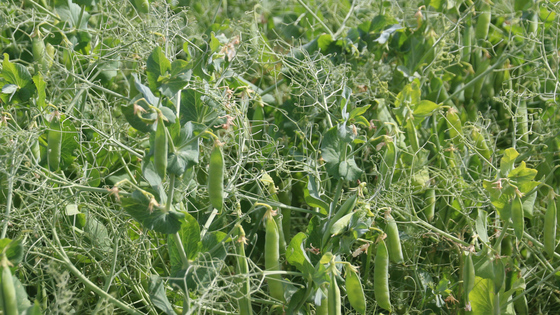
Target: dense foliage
[{"x": 297, "y": 157}]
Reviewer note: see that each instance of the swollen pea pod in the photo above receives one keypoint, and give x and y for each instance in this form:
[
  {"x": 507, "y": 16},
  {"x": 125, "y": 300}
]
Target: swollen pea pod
[
  {"x": 455, "y": 127},
  {"x": 520, "y": 304},
  {"x": 216, "y": 178},
  {"x": 354, "y": 290},
  {"x": 9, "y": 299},
  {"x": 39, "y": 51},
  {"x": 323, "y": 309},
  {"x": 257, "y": 128},
  {"x": 550, "y": 222},
  {"x": 54, "y": 143},
  {"x": 143, "y": 6},
  {"x": 467, "y": 42},
  {"x": 412, "y": 134},
  {"x": 334, "y": 300},
  {"x": 483, "y": 20},
  {"x": 244, "y": 293},
  {"x": 480, "y": 145},
  {"x": 517, "y": 217},
  {"x": 272, "y": 257},
  {"x": 160, "y": 148},
  {"x": 430, "y": 197},
  {"x": 393, "y": 240},
  {"x": 381, "y": 277},
  {"x": 285, "y": 197},
  {"x": 468, "y": 275}
]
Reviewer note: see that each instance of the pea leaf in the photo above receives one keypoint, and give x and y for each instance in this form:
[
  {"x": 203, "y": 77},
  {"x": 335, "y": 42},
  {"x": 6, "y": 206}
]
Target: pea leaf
[
  {"x": 158, "y": 295},
  {"x": 186, "y": 147},
  {"x": 337, "y": 164},
  {"x": 152, "y": 216},
  {"x": 296, "y": 256},
  {"x": 146, "y": 92},
  {"x": 18, "y": 81},
  {"x": 72, "y": 14},
  {"x": 180, "y": 76},
  {"x": 156, "y": 67},
  {"x": 312, "y": 197},
  {"x": 506, "y": 163},
  {"x": 190, "y": 237}
]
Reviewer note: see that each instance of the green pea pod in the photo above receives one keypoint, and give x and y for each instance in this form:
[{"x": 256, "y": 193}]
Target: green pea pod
[
  {"x": 550, "y": 221},
  {"x": 393, "y": 240},
  {"x": 216, "y": 178},
  {"x": 520, "y": 304},
  {"x": 355, "y": 291},
  {"x": 143, "y": 6},
  {"x": 335, "y": 304},
  {"x": 160, "y": 148},
  {"x": 430, "y": 210},
  {"x": 339, "y": 226},
  {"x": 9, "y": 298},
  {"x": 455, "y": 127},
  {"x": 54, "y": 143},
  {"x": 468, "y": 275},
  {"x": 522, "y": 122},
  {"x": 257, "y": 128},
  {"x": 507, "y": 246},
  {"x": 411, "y": 134},
  {"x": 481, "y": 145},
  {"x": 36, "y": 151},
  {"x": 517, "y": 216},
  {"x": 381, "y": 277},
  {"x": 39, "y": 51},
  {"x": 285, "y": 197},
  {"x": 244, "y": 294},
  {"x": 483, "y": 20},
  {"x": 467, "y": 43},
  {"x": 272, "y": 257}
]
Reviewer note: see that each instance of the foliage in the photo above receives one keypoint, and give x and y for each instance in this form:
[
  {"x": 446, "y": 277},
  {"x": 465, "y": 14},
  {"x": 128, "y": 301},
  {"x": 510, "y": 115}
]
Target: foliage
[{"x": 305, "y": 157}]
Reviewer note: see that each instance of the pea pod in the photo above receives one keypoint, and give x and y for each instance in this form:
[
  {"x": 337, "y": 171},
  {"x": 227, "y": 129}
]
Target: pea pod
[
  {"x": 550, "y": 221},
  {"x": 481, "y": 145},
  {"x": 355, "y": 290},
  {"x": 9, "y": 298},
  {"x": 393, "y": 240},
  {"x": 54, "y": 143},
  {"x": 468, "y": 275},
  {"x": 342, "y": 211},
  {"x": 517, "y": 217},
  {"x": 467, "y": 43},
  {"x": 334, "y": 302},
  {"x": 272, "y": 257},
  {"x": 520, "y": 304},
  {"x": 323, "y": 309},
  {"x": 381, "y": 277},
  {"x": 430, "y": 197},
  {"x": 244, "y": 293},
  {"x": 285, "y": 197},
  {"x": 483, "y": 21},
  {"x": 39, "y": 51},
  {"x": 412, "y": 134},
  {"x": 455, "y": 127},
  {"x": 143, "y": 6},
  {"x": 216, "y": 178},
  {"x": 160, "y": 148}
]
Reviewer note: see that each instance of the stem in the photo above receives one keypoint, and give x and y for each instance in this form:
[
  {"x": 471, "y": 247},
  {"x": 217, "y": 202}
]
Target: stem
[
  {"x": 208, "y": 223},
  {"x": 8, "y": 205},
  {"x": 316, "y": 17},
  {"x": 337, "y": 194},
  {"x": 170, "y": 193},
  {"x": 272, "y": 87},
  {"x": 181, "y": 250}
]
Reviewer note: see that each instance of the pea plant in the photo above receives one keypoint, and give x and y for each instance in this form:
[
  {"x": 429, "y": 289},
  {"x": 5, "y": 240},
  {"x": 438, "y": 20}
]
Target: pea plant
[{"x": 243, "y": 157}]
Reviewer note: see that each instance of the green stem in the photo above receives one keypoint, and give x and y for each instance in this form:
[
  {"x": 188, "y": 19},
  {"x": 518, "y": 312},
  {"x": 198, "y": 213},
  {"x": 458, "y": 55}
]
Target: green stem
[
  {"x": 181, "y": 250},
  {"x": 208, "y": 223},
  {"x": 8, "y": 205},
  {"x": 316, "y": 17},
  {"x": 272, "y": 87}
]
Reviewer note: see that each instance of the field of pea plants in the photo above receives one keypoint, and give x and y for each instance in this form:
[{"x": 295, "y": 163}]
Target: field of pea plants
[{"x": 279, "y": 157}]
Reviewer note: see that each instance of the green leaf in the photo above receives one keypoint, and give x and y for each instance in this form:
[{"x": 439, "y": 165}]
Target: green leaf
[
  {"x": 190, "y": 237},
  {"x": 14, "y": 249},
  {"x": 197, "y": 107},
  {"x": 97, "y": 234},
  {"x": 152, "y": 216},
  {"x": 296, "y": 256},
  {"x": 424, "y": 109},
  {"x": 186, "y": 147},
  {"x": 507, "y": 161},
  {"x": 180, "y": 76},
  {"x": 18, "y": 75},
  {"x": 482, "y": 225},
  {"x": 312, "y": 197},
  {"x": 135, "y": 121},
  {"x": 482, "y": 297},
  {"x": 155, "y": 181},
  {"x": 522, "y": 173},
  {"x": 156, "y": 67},
  {"x": 157, "y": 293},
  {"x": 146, "y": 92},
  {"x": 337, "y": 164},
  {"x": 358, "y": 111},
  {"x": 73, "y": 14}
]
